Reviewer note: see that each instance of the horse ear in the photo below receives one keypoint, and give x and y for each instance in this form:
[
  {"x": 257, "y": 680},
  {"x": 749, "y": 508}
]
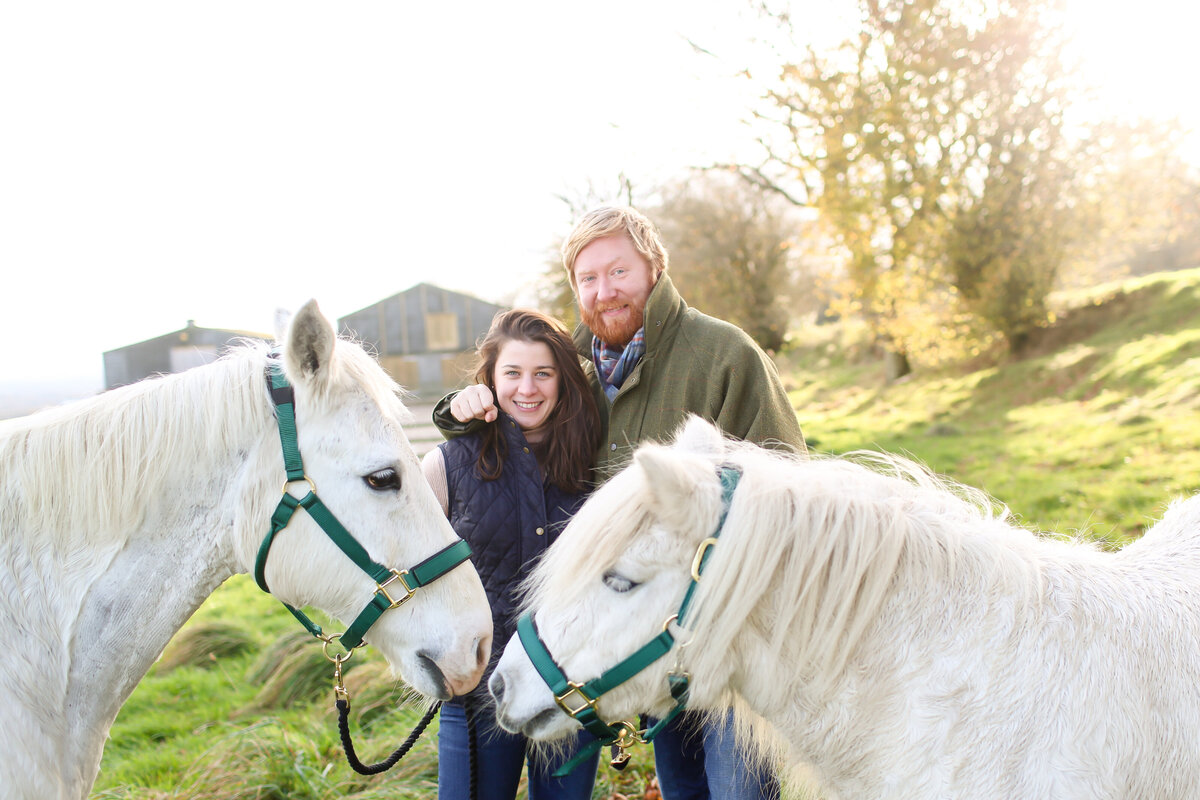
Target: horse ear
[
  {"x": 309, "y": 341},
  {"x": 671, "y": 479},
  {"x": 699, "y": 436}
]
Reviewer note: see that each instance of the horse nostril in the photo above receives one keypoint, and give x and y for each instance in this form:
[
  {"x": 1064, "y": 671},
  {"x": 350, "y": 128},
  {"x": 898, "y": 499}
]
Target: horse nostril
[
  {"x": 496, "y": 687},
  {"x": 483, "y": 650}
]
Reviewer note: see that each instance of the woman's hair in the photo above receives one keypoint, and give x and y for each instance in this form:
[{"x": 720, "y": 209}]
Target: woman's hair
[
  {"x": 572, "y": 435},
  {"x": 610, "y": 221}
]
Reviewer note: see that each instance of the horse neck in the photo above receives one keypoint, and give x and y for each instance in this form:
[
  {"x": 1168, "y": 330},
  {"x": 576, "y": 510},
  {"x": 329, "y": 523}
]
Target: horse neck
[{"x": 108, "y": 601}]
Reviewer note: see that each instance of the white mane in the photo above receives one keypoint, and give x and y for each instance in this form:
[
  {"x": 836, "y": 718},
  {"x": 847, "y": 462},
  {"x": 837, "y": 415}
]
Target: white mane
[
  {"x": 842, "y": 530},
  {"x": 109, "y": 454}
]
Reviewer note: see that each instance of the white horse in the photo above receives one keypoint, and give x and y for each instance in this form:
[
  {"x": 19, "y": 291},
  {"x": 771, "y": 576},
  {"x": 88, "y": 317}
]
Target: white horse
[
  {"x": 120, "y": 514},
  {"x": 901, "y": 637}
]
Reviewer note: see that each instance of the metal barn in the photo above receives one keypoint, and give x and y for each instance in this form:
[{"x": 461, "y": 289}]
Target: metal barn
[
  {"x": 172, "y": 352},
  {"x": 424, "y": 336}
]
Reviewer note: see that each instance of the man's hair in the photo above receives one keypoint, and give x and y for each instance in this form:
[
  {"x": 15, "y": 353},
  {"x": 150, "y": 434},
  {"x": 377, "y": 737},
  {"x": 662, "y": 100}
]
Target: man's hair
[{"x": 610, "y": 220}]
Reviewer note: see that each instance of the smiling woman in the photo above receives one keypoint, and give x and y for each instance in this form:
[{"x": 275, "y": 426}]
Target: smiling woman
[
  {"x": 526, "y": 384},
  {"x": 508, "y": 489}
]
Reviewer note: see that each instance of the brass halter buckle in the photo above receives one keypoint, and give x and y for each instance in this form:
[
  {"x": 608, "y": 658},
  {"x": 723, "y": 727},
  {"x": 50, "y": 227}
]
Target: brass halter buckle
[
  {"x": 397, "y": 576},
  {"x": 698, "y": 560},
  {"x": 575, "y": 689}
]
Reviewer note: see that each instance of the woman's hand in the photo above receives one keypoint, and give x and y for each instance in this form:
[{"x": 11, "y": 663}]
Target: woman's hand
[{"x": 474, "y": 402}]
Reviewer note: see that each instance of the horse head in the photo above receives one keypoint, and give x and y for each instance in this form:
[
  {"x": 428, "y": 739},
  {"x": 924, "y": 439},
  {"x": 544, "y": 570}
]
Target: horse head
[
  {"x": 614, "y": 581},
  {"x": 357, "y": 459}
]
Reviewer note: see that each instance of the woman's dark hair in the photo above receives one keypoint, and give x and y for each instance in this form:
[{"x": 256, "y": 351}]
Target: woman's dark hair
[{"x": 572, "y": 435}]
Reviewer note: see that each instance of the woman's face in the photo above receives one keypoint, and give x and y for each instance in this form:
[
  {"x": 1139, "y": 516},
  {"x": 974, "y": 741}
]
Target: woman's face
[{"x": 526, "y": 380}]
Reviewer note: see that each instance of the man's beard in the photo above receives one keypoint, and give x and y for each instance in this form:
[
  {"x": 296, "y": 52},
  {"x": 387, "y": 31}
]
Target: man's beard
[{"x": 617, "y": 333}]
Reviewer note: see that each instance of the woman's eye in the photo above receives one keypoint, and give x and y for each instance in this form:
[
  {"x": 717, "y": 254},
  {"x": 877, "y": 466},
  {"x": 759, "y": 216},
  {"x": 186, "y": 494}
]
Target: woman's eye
[
  {"x": 617, "y": 582},
  {"x": 383, "y": 480}
]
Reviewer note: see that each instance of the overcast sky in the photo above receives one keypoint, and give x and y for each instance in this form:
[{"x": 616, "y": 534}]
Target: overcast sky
[{"x": 165, "y": 161}]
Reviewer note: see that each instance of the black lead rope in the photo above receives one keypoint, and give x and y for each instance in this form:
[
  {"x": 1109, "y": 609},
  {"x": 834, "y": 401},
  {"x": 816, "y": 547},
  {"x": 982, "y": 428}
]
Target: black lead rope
[
  {"x": 472, "y": 786},
  {"x": 343, "y": 708}
]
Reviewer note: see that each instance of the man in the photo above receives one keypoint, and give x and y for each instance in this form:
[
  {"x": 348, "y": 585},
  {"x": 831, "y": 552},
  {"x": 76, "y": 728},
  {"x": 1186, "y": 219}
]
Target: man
[{"x": 657, "y": 360}]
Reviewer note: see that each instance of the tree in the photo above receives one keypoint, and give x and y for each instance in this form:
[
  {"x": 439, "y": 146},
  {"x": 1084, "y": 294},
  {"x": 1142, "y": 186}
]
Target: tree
[
  {"x": 894, "y": 133},
  {"x": 1141, "y": 199},
  {"x": 733, "y": 253},
  {"x": 1014, "y": 215}
]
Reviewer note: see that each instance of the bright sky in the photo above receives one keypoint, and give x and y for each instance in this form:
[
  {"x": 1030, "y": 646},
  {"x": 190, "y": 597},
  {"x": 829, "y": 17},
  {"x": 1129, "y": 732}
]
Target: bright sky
[{"x": 166, "y": 161}]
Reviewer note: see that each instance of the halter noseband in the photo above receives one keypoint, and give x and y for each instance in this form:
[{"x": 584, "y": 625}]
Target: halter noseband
[
  {"x": 579, "y": 700},
  {"x": 387, "y": 581}
]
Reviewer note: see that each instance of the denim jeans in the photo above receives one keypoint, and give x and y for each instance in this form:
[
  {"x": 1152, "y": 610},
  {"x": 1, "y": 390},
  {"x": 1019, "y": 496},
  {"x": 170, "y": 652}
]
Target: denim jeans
[
  {"x": 499, "y": 757},
  {"x": 700, "y": 762}
]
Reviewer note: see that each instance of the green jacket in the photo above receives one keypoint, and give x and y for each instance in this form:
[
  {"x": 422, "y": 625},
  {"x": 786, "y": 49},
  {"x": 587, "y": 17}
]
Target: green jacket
[{"x": 694, "y": 364}]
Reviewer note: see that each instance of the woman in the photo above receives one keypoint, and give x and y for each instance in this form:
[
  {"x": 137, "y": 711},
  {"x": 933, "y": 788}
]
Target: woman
[{"x": 508, "y": 490}]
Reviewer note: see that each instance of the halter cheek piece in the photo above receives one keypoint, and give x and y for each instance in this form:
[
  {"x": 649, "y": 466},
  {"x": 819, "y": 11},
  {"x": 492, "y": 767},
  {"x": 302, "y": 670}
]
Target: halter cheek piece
[
  {"x": 579, "y": 700},
  {"x": 392, "y": 587}
]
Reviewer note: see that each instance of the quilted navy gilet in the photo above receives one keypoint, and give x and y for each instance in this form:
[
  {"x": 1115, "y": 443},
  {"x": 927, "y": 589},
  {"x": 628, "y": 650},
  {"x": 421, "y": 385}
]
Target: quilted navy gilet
[{"x": 509, "y": 522}]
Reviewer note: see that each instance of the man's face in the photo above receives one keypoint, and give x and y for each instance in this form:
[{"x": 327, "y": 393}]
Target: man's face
[{"x": 612, "y": 282}]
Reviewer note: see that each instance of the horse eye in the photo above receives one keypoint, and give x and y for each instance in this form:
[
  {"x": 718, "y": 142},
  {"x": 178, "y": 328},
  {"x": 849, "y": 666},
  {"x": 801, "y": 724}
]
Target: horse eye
[
  {"x": 617, "y": 582},
  {"x": 383, "y": 480}
]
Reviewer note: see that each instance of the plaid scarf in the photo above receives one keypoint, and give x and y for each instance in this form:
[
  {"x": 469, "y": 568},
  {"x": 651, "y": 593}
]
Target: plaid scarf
[{"x": 613, "y": 364}]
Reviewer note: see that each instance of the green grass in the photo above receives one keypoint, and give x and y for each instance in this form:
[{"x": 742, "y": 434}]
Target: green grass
[{"x": 1095, "y": 432}]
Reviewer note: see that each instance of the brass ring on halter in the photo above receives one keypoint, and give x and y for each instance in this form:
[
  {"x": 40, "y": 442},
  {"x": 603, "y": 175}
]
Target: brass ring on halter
[
  {"x": 341, "y": 659},
  {"x": 312, "y": 487},
  {"x": 681, "y": 641}
]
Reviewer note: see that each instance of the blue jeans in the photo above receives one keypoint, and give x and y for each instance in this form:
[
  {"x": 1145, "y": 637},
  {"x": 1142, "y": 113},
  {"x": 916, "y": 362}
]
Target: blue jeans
[
  {"x": 698, "y": 762},
  {"x": 499, "y": 757}
]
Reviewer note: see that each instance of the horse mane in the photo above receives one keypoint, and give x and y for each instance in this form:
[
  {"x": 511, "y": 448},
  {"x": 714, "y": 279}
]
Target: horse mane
[
  {"x": 819, "y": 542},
  {"x": 97, "y": 464}
]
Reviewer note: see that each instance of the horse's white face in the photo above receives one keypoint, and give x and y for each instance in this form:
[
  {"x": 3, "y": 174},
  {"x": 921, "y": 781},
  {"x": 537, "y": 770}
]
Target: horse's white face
[
  {"x": 612, "y": 580},
  {"x": 365, "y": 471}
]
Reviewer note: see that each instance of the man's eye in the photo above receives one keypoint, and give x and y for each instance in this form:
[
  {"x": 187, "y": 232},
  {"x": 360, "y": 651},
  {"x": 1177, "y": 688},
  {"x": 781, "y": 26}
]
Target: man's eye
[
  {"x": 383, "y": 480},
  {"x": 617, "y": 582}
]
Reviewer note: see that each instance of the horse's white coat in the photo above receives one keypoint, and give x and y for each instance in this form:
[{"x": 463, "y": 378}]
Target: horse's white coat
[
  {"x": 119, "y": 515},
  {"x": 901, "y": 637}
]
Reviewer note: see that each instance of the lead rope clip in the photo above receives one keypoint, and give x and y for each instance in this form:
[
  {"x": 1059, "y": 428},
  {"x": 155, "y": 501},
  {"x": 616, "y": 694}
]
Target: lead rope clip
[{"x": 628, "y": 737}]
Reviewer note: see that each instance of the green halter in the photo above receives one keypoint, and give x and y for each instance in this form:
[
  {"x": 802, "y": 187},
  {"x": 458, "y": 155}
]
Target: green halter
[
  {"x": 392, "y": 588},
  {"x": 579, "y": 700}
]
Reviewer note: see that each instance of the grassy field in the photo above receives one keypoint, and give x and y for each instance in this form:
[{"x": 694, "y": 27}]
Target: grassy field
[{"x": 1094, "y": 432}]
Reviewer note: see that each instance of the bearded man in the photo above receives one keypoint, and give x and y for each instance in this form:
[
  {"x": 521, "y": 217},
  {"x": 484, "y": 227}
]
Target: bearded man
[{"x": 656, "y": 361}]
